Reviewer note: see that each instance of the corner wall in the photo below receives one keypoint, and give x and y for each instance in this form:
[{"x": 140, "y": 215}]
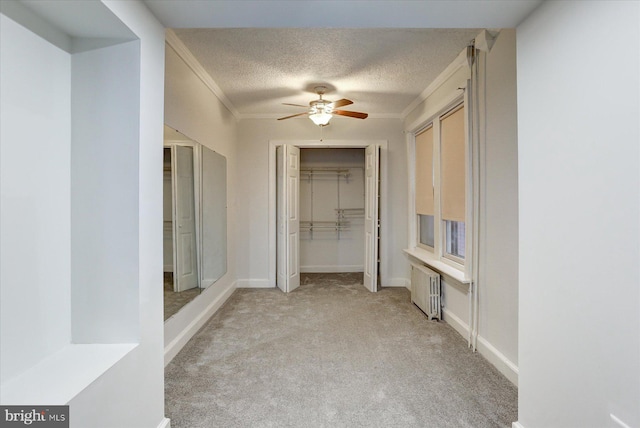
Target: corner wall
[{"x": 579, "y": 186}]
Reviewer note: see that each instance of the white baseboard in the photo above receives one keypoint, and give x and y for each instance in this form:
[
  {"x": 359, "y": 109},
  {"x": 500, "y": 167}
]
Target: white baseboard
[
  {"x": 253, "y": 283},
  {"x": 172, "y": 349},
  {"x": 166, "y": 423},
  {"x": 168, "y": 268},
  {"x": 486, "y": 349},
  {"x": 517, "y": 425},
  {"x": 398, "y": 282},
  {"x": 455, "y": 322},
  {"x": 331, "y": 269},
  {"x": 498, "y": 359}
]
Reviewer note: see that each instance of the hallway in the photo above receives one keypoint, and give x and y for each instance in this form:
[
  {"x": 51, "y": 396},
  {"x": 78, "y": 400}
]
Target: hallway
[{"x": 332, "y": 354}]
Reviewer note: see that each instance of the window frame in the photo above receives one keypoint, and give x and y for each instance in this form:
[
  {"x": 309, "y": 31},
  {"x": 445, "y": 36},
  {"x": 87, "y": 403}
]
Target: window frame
[{"x": 439, "y": 250}]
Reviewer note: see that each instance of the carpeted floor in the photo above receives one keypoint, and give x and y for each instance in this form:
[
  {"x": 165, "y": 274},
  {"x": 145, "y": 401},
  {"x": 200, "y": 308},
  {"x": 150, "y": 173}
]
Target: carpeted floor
[
  {"x": 174, "y": 301},
  {"x": 332, "y": 354}
]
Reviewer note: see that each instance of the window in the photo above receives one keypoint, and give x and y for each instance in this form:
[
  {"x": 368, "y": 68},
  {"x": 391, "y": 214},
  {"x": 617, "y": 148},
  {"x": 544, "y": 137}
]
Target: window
[
  {"x": 424, "y": 188},
  {"x": 427, "y": 230},
  {"x": 454, "y": 239},
  {"x": 452, "y": 184},
  {"x": 440, "y": 185}
]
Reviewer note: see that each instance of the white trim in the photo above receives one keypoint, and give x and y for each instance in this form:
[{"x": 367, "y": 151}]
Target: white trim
[
  {"x": 398, "y": 282},
  {"x": 517, "y": 425},
  {"x": 254, "y": 283},
  {"x": 185, "y": 54},
  {"x": 498, "y": 360},
  {"x": 455, "y": 322},
  {"x": 331, "y": 268},
  {"x": 384, "y": 144},
  {"x": 166, "y": 423},
  {"x": 172, "y": 349},
  {"x": 486, "y": 349},
  {"x": 434, "y": 113},
  {"x": 437, "y": 264},
  {"x": 459, "y": 62}
]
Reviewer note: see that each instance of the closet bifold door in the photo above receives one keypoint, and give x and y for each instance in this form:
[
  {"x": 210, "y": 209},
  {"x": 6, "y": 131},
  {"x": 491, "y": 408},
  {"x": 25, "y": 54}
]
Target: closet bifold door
[
  {"x": 371, "y": 217},
  {"x": 288, "y": 221},
  {"x": 184, "y": 242}
]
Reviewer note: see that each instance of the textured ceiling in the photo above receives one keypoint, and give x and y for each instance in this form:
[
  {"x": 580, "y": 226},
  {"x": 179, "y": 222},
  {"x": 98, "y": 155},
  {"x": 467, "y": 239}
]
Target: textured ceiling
[{"x": 382, "y": 70}]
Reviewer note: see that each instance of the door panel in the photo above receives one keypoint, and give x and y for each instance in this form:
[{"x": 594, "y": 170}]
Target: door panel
[
  {"x": 293, "y": 225},
  {"x": 288, "y": 224},
  {"x": 281, "y": 216},
  {"x": 185, "y": 228},
  {"x": 371, "y": 217}
]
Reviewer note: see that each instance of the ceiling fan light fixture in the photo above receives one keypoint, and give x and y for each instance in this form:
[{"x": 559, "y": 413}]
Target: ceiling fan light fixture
[{"x": 321, "y": 118}]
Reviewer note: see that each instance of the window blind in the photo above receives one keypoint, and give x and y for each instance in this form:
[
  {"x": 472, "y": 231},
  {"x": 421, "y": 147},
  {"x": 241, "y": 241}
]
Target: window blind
[
  {"x": 424, "y": 172},
  {"x": 452, "y": 161}
]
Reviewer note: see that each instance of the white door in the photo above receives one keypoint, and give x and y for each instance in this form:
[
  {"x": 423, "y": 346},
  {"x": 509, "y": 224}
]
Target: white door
[
  {"x": 184, "y": 242},
  {"x": 288, "y": 222},
  {"x": 371, "y": 217}
]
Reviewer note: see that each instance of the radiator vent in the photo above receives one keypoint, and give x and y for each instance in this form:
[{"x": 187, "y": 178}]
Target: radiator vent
[{"x": 425, "y": 291}]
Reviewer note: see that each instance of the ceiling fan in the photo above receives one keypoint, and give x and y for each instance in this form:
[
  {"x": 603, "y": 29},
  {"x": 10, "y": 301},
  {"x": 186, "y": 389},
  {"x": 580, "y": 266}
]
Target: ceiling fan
[{"x": 321, "y": 111}]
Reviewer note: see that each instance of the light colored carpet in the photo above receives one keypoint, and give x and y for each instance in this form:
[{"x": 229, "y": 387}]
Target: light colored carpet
[
  {"x": 174, "y": 301},
  {"x": 331, "y": 354}
]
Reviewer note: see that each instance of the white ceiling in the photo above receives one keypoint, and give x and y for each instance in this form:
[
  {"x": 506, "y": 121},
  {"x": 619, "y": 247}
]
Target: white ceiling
[{"x": 265, "y": 53}]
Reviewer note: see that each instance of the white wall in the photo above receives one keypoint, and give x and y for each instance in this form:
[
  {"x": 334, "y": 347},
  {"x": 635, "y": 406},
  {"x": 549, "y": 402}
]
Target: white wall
[
  {"x": 35, "y": 218},
  {"x": 253, "y": 186},
  {"x": 498, "y": 252},
  {"x": 578, "y": 143},
  {"x": 131, "y": 394},
  {"x": 56, "y": 144},
  {"x": 104, "y": 194},
  {"x": 498, "y": 261},
  {"x": 327, "y": 250},
  {"x": 193, "y": 109}
]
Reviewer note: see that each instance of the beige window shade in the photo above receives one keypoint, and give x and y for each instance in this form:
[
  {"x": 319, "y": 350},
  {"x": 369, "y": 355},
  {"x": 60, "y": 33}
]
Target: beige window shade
[
  {"x": 424, "y": 172},
  {"x": 452, "y": 161}
]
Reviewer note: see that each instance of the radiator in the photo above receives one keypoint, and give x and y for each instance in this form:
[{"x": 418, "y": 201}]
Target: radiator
[{"x": 425, "y": 291}]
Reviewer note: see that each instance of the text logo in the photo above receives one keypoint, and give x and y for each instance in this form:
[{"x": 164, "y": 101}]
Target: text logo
[{"x": 34, "y": 416}]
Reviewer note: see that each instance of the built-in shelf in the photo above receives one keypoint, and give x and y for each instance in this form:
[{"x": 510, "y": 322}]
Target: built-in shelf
[
  {"x": 349, "y": 212},
  {"x": 441, "y": 267},
  {"x": 339, "y": 172},
  {"x": 61, "y": 376}
]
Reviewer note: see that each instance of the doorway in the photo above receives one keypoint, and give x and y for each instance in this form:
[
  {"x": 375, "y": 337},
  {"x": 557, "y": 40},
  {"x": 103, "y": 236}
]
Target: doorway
[
  {"x": 332, "y": 194},
  {"x": 326, "y": 211}
]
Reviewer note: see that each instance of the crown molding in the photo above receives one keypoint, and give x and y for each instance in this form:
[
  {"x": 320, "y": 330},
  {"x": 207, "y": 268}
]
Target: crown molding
[{"x": 191, "y": 61}]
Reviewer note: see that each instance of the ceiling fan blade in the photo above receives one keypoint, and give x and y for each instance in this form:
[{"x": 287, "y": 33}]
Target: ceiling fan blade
[
  {"x": 341, "y": 103},
  {"x": 293, "y": 115},
  {"x": 295, "y": 105},
  {"x": 355, "y": 114}
]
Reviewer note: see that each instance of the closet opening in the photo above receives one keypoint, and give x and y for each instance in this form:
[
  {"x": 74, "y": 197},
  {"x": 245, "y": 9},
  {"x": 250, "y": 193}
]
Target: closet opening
[
  {"x": 332, "y": 210},
  {"x": 327, "y": 213}
]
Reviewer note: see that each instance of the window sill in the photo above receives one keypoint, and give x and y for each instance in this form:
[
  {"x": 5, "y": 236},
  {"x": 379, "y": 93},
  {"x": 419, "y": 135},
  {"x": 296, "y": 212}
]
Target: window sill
[
  {"x": 60, "y": 377},
  {"x": 441, "y": 267}
]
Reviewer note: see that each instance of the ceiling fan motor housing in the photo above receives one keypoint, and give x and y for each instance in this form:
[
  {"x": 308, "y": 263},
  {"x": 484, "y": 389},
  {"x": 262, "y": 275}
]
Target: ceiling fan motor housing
[{"x": 320, "y": 106}]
